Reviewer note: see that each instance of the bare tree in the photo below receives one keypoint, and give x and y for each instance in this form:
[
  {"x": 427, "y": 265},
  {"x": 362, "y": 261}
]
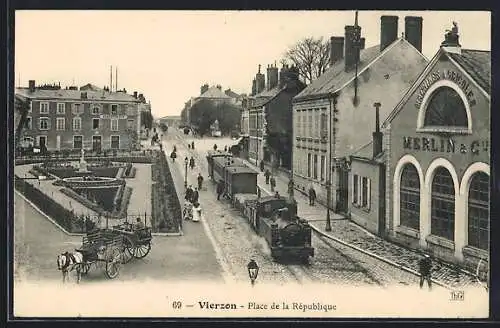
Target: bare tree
[{"x": 311, "y": 56}]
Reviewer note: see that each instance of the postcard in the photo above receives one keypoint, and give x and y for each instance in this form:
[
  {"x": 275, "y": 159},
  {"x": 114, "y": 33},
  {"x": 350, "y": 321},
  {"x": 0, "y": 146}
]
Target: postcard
[{"x": 266, "y": 164}]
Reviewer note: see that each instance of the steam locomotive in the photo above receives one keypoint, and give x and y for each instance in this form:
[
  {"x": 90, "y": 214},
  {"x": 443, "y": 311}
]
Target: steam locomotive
[{"x": 273, "y": 218}]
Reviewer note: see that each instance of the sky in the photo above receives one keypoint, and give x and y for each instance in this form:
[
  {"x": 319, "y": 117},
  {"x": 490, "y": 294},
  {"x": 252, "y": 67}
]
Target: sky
[{"x": 168, "y": 55}]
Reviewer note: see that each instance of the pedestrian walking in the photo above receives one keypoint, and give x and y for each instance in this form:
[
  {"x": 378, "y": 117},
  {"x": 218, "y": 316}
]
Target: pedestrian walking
[
  {"x": 290, "y": 187},
  {"x": 175, "y": 148},
  {"x": 267, "y": 174},
  {"x": 189, "y": 146},
  {"x": 273, "y": 183},
  {"x": 196, "y": 195},
  {"x": 425, "y": 268},
  {"x": 259, "y": 193},
  {"x": 262, "y": 166},
  {"x": 225, "y": 148},
  {"x": 191, "y": 162},
  {"x": 189, "y": 194},
  {"x": 173, "y": 155},
  {"x": 312, "y": 196},
  {"x": 215, "y": 147},
  {"x": 277, "y": 194},
  {"x": 220, "y": 189},
  {"x": 200, "y": 181},
  {"x": 192, "y": 145}
]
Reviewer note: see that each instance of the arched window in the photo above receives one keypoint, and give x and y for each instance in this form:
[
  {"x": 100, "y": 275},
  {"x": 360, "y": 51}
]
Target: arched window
[
  {"x": 479, "y": 211},
  {"x": 443, "y": 204},
  {"x": 446, "y": 108},
  {"x": 410, "y": 197}
]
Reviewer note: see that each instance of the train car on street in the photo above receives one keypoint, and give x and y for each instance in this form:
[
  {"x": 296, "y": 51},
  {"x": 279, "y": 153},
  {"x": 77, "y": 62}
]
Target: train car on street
[
  {"x": 240, "y": 180},
  {"x": 210, "y": 160}
]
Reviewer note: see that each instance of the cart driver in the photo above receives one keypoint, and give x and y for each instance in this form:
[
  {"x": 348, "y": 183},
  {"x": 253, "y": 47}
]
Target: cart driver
[{"x": 138, "y": 224}]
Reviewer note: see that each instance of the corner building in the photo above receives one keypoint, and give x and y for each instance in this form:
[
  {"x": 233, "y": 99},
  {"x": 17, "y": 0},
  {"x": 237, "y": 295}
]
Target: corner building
[{"x": 438, "y": 158}]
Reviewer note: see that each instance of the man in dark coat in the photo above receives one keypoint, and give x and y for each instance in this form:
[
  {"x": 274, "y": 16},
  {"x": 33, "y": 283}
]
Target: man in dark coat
[
  {"x": 425, "y": 268},
  {"x": 200, "y": 181},
  {"x": 262, "y": 166},
  {"x": 267, "y": 174},
  {"x": 272, "y": 181},
  {"x": 191, "y": 163},
  {"x": 189, "y": 194},
  {"x": 220, "y": 189},
  {"x": 192, "y": 145},
  {"x": 196, "y": 196},
  {"x": 312, "y": 196}
]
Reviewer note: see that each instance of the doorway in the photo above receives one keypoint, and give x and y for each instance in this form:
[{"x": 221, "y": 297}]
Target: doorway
[
  {"x": 96, "y": 143},
  {"x": 342, "y": 190}
]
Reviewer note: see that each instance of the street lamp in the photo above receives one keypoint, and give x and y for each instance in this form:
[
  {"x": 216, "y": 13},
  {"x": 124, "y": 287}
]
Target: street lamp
[
  {"x": 186, "y": 160},
  {"x": 253, "y": 271},
  {"x": 333, "y": 101}
]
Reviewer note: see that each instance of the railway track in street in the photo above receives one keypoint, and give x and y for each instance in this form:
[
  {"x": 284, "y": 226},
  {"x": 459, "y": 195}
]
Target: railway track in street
[{"x": 333, "y": 262}]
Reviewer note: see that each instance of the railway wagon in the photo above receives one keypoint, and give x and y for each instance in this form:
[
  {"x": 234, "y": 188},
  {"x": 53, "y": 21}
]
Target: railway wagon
[
  {"x": 275, "y": 219},
  {"x": 210, "y": 160},
  {"x": 240, "y": 180},
  {"x": 221, "y": 163}
]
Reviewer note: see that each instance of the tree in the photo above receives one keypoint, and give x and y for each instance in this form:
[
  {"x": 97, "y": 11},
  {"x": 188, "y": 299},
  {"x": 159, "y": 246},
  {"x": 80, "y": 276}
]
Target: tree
[
  {"x": 311, "y": 56},
  {"x": 21, "y": 108},
  {"x": 205, "y": 112}
]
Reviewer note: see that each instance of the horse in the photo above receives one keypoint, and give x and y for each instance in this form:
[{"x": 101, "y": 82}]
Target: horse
[{"x": 67, "y": 262}]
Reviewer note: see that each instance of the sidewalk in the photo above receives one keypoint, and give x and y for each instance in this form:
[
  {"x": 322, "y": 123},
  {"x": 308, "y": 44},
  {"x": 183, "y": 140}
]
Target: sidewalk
[{"x": 350, "y": 234}]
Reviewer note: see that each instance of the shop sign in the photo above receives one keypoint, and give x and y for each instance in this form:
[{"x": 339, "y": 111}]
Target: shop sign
[
  {"x": 450, "y": 75},
  {"x": 445, "y": 145},
  {"x": 107, "y": 116}
]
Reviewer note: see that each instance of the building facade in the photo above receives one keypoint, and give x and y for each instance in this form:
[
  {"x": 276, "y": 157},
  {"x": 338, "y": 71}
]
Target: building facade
[
  {"x": 333, "y": 116},
  {"x": 73, "y": 119},
  {"x": 271, "y": 113},
  {"x": 436, "y": 154}
]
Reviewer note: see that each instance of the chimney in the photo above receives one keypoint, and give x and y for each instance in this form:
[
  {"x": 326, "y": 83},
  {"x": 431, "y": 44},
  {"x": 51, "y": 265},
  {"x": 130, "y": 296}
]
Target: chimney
[
  {"x": 413, "y": 31},
  {"x": 388, "y": 31},
  {"x": 350, "y": 52},
  {"x": 272, "y": 77},
  {"x": 254, "y": 87},
  {"x": 377, "y": 135},
  {"x": 31, "y": 84},
  {"x": 219, "y": 87},
  {"x": 336, "y": 49},
  {"x": 135, "y": 94}
]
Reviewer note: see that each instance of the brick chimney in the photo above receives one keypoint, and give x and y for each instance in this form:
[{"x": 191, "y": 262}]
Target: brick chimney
[
  {"x": 388, "y": 31},
  {"x": 272, "y": 77},
  {"x": 413, "y": 31},
  {"x": 135, "y": 94},
  {"x": 336, "y": 49},
  {"x": 31, "y": 85},
  {"x": 377, "y": 135},
  {"x": 350, "y": 52}
]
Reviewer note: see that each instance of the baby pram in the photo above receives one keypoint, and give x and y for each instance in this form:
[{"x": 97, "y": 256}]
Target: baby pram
[{"x": 187, "y": 212}]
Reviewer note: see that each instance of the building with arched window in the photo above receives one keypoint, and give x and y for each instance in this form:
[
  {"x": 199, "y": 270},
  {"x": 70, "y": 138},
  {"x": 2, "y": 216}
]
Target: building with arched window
[{"x": 428, "y": 176}]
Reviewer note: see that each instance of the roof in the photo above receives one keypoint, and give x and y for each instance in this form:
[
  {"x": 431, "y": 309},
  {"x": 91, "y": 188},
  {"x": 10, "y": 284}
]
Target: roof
[
  {"x": 214, "y": 92},
  {"x": 366, "y": 152},
  {"x": 477, "y": 63},
  {"x": 75, "y": 95},
  {"x": 266, "y": 96},
  {"x": 231, "y": 93},
  {"x": 241, "y": 169},
  {"x": 90, "y": 86},
  {"x": 336, "y": 76}
]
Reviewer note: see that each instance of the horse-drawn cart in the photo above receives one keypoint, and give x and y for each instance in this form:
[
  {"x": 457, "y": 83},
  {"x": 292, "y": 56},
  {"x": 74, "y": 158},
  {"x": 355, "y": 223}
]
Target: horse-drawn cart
[
  {"x": 136, "y": 242},
  {"x": 102, "y": 246}
]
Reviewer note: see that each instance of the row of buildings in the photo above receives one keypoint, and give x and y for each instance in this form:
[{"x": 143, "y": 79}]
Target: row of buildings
[
  {"x": 390, "y": 139},
  {"x": 87, "y": 118}
]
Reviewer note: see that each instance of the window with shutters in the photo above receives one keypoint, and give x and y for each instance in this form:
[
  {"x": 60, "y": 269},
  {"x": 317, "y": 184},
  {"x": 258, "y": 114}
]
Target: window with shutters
[
  {"x": 44, "y": 108},
  {"x": 324, "y": 127},
  {"x": 115, "y": 142},
  {"x": 61, "y": 108},
  {"x": 95, "y": 110},
  {"x": 114, "y": 124},
  {"x": 77, "y": 109},
  {"x": 315, "y": 167},
  {"x": 60, "y": 124},
  {"x": 322, "y": 172},
  {"x": 130, "y": 124},
  {"x": 77, "y": 142},
  {"x": 355, "y": 191},
  {"x": 309, "y": 165},
  {"x": 77, "y": 123},
  {"x": 365, "y": 193},
  {"x": 44, "y": 123},
  {"x": 95, "y": 123},
  {"x": 114, "y": 109}
]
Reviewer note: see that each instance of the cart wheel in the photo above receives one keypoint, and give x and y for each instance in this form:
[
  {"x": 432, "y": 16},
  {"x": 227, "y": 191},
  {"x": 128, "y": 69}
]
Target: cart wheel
[
  {"x": 85, "y": 267},
  {"x": 142, "y": 250},
  {"x": 113, "y": 263},
  {"x": 128, "y": 250}
]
